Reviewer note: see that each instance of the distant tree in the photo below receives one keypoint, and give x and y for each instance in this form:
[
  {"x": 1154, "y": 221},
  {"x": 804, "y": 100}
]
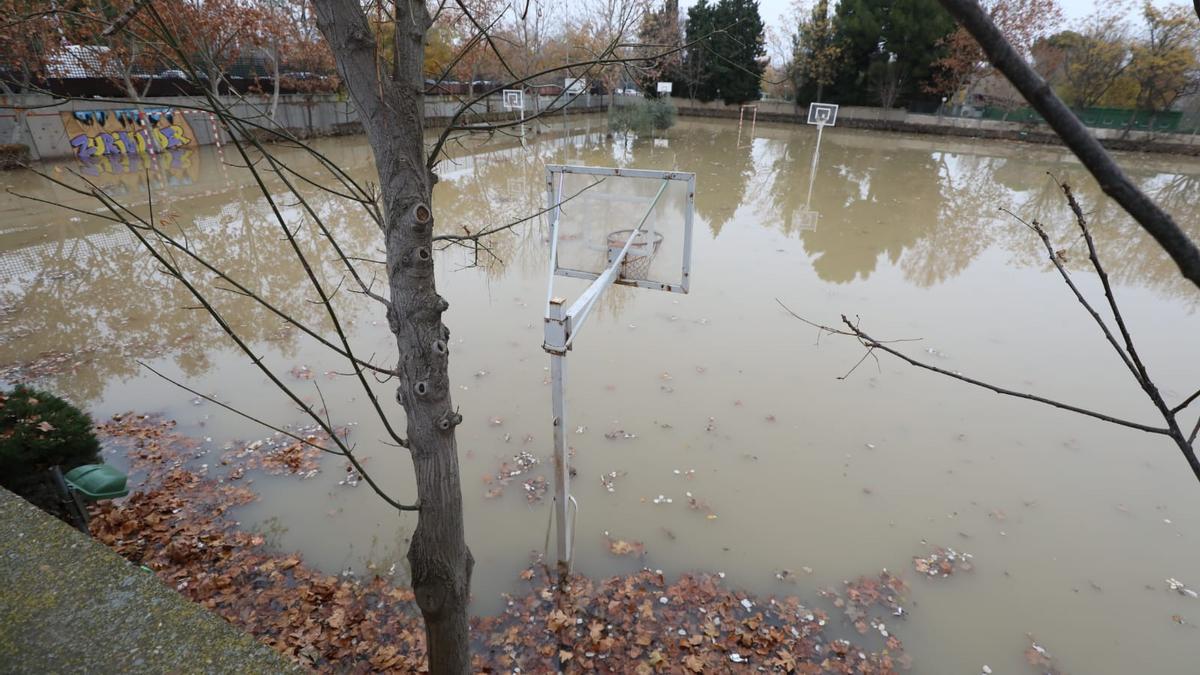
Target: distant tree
[
  {"x": 815, "y": 50},
  {"x": 1086, "y": 67},
  {"x": 660, "y": 28},
  {"x": 737, "y": 50},
  {"x": 27, "y": 36},
  {"x": 605, "y": 25},
  {"x": 1163, "y": 63},
  {"x": 700, "y": 24},
  {"x": 858, "y": 25},
  {"x": 887, "y": 46},
  {"x": 1023, "y": 23},
  {"x": 218, "y": 34},
  {"x": 915, "y": 34}
]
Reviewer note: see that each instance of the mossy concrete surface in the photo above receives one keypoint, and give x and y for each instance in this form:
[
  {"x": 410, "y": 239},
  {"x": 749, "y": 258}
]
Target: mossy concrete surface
[{"x": 70, "y": 605}]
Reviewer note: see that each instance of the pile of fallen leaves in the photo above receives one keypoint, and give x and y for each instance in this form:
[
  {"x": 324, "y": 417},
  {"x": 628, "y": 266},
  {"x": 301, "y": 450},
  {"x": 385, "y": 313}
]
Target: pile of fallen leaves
[
  {"x": 641, "y": 624},
  {"x": 176, "y": 525}
]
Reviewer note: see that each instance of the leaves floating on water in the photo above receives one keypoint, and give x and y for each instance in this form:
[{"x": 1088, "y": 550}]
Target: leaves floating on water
[
  {"x": 622, "y": 547},
  {"x": 175, "y": 525},
  {"x": 943, "y": 562}
]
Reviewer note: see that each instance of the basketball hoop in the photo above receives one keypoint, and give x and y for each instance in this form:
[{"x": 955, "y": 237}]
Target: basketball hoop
[{"x": 636, "y": 264}]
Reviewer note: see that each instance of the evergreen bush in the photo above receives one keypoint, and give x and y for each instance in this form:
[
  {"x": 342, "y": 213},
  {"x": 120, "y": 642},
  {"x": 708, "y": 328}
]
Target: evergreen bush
[
  {"x": 648, "y": 114},
  {"x": 39, "y": 430}
]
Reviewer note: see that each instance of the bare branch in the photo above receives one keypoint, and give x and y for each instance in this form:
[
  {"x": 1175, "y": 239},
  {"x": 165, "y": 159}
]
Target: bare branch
[
  {"x": 1113, "y": 181},
  {"x": 872, "y": 343}
]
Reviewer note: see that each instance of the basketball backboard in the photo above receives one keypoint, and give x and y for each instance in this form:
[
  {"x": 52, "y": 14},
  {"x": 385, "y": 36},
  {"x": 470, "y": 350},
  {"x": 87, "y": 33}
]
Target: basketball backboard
[
  {"x": 594, "y": 212},
  {"x": 514, "y": 99},
  {"x": 822, "y": 114}
]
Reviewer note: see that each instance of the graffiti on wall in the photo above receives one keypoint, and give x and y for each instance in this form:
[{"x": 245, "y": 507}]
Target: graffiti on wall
[{"x": 95, "y": 133}]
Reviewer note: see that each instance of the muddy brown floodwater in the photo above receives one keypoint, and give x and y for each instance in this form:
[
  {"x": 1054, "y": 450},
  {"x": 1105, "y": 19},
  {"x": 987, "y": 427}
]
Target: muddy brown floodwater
[{"x": 801, "y": 479}]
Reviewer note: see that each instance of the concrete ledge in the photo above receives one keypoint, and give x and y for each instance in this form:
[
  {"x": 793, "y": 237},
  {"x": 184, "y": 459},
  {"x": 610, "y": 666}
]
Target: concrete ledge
[{"x": 70, "y": 605}]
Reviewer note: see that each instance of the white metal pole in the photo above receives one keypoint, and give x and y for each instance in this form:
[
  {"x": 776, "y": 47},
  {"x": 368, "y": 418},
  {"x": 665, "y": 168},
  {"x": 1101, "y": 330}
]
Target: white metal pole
[
  {"x": 812, "y": 170},
  {"x": 556, "y": 344}
]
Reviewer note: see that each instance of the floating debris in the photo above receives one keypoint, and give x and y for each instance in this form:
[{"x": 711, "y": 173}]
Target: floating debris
[
  {"x": 302, "y": 372},
  {"x": 1038, "y": 657},
  {"x": 521, "y": 463},
  {"x": 943, "y": 562},
  {"x": 535, "y": 489},
  {"x": 609, "y": 479},
  {"x": 622, "y": 547},
  {"x": 1180, "y": 588}
]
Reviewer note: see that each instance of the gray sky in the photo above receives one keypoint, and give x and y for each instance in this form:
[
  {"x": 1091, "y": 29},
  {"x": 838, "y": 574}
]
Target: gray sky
[{"x": 775, "y": 12}]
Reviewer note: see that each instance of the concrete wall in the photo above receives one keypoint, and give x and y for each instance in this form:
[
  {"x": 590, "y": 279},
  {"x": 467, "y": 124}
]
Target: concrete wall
[
  {"x": 901, "y": 120},
  {"x": 37, "y": 121}
]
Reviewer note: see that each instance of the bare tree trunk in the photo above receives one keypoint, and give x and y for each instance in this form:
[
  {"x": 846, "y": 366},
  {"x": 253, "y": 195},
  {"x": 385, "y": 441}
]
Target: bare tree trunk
[{"x": 392, "y": 111}]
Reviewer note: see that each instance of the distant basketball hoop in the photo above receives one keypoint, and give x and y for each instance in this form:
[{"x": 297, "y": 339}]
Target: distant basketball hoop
[
  {"x": 822, "y": 114},
  {"x": 513, "y": 99}
]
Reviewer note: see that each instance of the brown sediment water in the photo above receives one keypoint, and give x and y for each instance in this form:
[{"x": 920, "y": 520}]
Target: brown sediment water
[{"x": 717, "y": 399}]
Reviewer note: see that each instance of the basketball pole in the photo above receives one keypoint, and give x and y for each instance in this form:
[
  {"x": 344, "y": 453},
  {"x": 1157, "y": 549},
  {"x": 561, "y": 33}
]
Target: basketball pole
[
  {"x": 556, "y": 345},
  {"x": 561, "y": 329}
]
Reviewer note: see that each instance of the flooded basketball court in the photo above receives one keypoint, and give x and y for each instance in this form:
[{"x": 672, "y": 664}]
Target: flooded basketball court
[{"x": 711, "y": 428}]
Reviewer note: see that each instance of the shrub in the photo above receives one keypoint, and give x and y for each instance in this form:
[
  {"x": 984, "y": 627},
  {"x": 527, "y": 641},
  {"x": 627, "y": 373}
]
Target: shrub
[
  {"x": 39, "y": 430},
  {"x": 648, "y": 114}
]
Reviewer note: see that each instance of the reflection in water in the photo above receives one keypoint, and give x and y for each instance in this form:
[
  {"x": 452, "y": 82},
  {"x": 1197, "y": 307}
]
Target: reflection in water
[{"x": 804, "y": 473}]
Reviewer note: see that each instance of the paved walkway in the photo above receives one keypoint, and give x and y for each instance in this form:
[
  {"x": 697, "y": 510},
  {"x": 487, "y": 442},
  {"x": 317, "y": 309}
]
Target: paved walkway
[{"x": 70, "y": 605}]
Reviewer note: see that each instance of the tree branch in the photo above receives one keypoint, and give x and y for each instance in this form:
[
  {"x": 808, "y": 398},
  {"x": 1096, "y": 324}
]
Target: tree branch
[{"x": 1113, "y": 181}]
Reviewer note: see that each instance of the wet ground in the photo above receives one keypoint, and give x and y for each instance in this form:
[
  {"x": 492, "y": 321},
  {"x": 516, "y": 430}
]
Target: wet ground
[{"x": 797, "y": 479}]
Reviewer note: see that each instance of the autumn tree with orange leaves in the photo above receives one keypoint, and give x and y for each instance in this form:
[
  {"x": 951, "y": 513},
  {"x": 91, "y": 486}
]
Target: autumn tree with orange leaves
[{"x": 1022, "y": 22}]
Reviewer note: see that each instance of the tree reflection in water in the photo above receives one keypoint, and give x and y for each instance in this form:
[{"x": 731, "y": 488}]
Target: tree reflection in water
[{"x": 927, "y": 206}]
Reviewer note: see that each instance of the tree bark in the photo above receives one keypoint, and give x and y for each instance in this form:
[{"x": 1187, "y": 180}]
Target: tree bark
[{"x": 391, "y": 105}]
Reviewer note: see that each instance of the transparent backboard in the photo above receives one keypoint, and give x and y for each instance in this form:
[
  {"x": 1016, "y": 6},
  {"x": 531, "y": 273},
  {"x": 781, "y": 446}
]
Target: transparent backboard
[{"x": 594, "y": 212}]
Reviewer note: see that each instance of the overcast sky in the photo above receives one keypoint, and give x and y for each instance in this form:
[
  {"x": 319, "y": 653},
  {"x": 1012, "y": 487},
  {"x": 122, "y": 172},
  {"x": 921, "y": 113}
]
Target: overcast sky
[{"x": 775, "y": 12}]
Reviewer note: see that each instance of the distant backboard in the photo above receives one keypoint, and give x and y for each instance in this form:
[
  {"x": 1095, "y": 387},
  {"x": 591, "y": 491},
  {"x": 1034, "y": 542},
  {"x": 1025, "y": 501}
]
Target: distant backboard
[
  {"x": 822, "y": 114},
  {"x": 805, "y": 219},
  {"x": 514, "y": 99},
  {"x": 664, "y": 87},
  {"x": 594, "y": 212}
]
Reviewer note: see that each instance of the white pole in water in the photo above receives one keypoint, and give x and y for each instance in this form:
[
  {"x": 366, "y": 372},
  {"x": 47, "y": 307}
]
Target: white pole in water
[
  {"x": 812, "y": 170},
  {"x": 556, "y": 344}
]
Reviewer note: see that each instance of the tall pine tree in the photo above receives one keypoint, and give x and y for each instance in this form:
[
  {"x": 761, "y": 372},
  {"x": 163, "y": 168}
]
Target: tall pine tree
[
  {"x": 729, "y": 59},
  {"x": 887, "y": 45}
]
